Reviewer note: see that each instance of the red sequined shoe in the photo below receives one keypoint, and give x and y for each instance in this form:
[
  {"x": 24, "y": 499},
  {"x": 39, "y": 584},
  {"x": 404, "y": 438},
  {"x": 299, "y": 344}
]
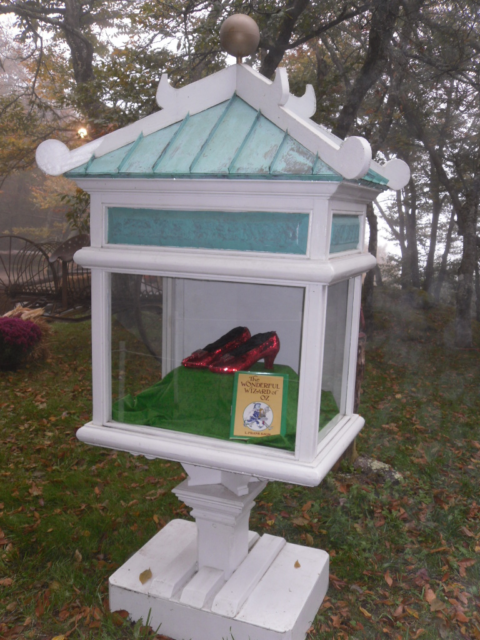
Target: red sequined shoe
[
  {"x": 202, "y": 358},
  {"x": 261, "y": 345}
]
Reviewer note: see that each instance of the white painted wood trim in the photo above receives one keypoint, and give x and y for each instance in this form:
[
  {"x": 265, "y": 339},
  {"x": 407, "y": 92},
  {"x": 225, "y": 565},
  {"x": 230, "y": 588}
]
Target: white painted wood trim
[
  {"x": 355, "y": 291},
  {"x": 309, "y": 393},
  {"x": 224, "y": 265},
  {"x": 101, "y": 347},
  {"x": 168, "y": 307},
  {"x": 349, "y": 343},
  {"x": 319, "y": 236},
  {"x": 213, "y": 192},
  {"x": 98, "y": 231},
  {"x": 268, "y": 464},
  {"x": 202, "y": 587},
  {"x": 230, "y": 599}
]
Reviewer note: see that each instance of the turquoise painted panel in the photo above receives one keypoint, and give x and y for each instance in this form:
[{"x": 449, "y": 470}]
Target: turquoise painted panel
[
  {"x": 373, "y": 176},
  {"x": 227, "y": 139},
  {"x": 110, "y": 161},
  {"x": 270, "y": 232},
  {"x": 322, "y": 169},
  {"x": 78, "y": 171},
  {"x": 345, "y": 233},
  {"x": 148, "y": 150},
  {"x": 259, "y": 150},
  {"x": 293, "y": 158},
  {"x": 187, "y": 144}
]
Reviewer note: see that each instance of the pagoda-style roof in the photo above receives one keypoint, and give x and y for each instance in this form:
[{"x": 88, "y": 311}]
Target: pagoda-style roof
[{"x": 233, "y": 124}]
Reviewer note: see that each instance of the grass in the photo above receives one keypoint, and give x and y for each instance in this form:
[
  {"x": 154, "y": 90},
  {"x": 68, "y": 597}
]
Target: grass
[{"x": 405, "y": 556}]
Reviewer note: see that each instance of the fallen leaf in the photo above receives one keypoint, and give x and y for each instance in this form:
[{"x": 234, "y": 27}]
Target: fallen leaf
[
  {"x": 365, "y": 613},
  {"x": 59, "y": 638},
  {"x": 297, "y": 564},
  {"x": 6, "y": 582},
  {"x": 78, "y": 556},
  {"x": 336, "y": 621},
  {"x": 388, "y": 578},
  {"x": 119, "y": 617},
  {"x": 463, "y": 564},
  {"x": 307, "y": 505},
  {"x": 461, "y": 617},
  {"x": 467, "y": 532},
  {"x": 309, "y": 539},
  {"x": 437, "y": 605},
  {"x": 429, "y": 595},
  {"x": 145, "y": 576},
  {"x": 398, "y": 611},
  {"x": 300, "y": 521},
  {"x": 35, "y": 491}
]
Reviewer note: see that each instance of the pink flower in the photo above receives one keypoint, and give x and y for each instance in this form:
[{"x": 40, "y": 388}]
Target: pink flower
[{"x": 19, "y": 333}]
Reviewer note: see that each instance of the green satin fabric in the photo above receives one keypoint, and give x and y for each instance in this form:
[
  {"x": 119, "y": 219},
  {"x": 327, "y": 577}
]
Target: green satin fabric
[{"x": 199, "y": 402}]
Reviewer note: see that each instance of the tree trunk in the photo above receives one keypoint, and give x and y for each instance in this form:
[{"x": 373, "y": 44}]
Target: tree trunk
[
  {"x": 443, "y": 266},
  {"x": 405, "y": 276},
  {"x": 464, "y": 294},
  {"x": 80, "y": 47},
  {"x": 411, "y": 234},
  {"x": 82, "y": 54},
  {"x": 436, "y": 210},
  {"x": 477, "y": 286},
  {"x": 293, "y": 11},
  {"x": 384, "y": 18},
  {"x": 368, "y": 284}
]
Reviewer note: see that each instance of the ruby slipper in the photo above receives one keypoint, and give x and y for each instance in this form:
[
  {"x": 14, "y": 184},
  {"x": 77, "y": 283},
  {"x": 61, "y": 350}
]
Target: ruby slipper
[
  {"x": 261, "y": 345},
  {"x": 202, "y": 358}
]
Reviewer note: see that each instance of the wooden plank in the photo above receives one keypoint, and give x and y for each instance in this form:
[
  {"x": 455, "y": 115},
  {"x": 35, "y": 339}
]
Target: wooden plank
[
  {"x": 157, "y": 555},
  {"x": 232, "y": 596},
  {"x": 271, "y": 605},
  {"x": 202, "y": 587},
  {"x": 177, "y": 573}
]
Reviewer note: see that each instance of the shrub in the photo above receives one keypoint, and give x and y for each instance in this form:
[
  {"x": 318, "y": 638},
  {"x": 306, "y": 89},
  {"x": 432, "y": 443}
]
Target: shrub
[{"x": 17, "y": 340}]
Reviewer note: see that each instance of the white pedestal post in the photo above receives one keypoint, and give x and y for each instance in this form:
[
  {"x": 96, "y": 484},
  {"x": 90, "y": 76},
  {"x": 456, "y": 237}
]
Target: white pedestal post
[{"x": 216, "y": 580}]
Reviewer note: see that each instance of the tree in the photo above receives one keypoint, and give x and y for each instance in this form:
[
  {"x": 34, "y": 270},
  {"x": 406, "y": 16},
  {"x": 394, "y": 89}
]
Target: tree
[{"x": 403, "y": 73}]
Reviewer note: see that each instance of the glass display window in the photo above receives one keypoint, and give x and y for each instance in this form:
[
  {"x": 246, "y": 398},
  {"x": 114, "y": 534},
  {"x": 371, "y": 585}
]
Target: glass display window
[
  {"x": 337, "y": 347},
  {"x": 177, "y": 343}
]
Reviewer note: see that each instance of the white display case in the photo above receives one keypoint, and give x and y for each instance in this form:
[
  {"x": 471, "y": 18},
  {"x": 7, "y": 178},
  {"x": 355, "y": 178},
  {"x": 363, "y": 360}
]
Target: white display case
[{"x": 229, "y": 207}]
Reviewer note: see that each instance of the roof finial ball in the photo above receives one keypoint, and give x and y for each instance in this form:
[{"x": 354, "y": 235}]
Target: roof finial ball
[{"x": 239, "y": 36}]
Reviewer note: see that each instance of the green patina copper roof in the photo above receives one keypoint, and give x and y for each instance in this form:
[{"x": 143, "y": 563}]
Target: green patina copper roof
[{"x": 230, "y": 140}]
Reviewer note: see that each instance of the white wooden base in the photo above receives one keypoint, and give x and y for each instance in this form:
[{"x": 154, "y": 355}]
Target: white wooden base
[{"x": 274, "y": 593}]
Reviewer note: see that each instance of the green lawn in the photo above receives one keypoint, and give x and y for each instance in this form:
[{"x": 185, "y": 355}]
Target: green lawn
[{"x": 405, "y": 556}]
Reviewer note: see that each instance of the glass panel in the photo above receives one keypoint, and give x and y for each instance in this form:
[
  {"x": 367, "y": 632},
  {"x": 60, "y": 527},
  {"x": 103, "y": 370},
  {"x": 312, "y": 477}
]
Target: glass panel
[
  {"x": 158, "y": 322},
  {"x": 335, "y": 359},
  {"x": 345, "y": 233}
]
